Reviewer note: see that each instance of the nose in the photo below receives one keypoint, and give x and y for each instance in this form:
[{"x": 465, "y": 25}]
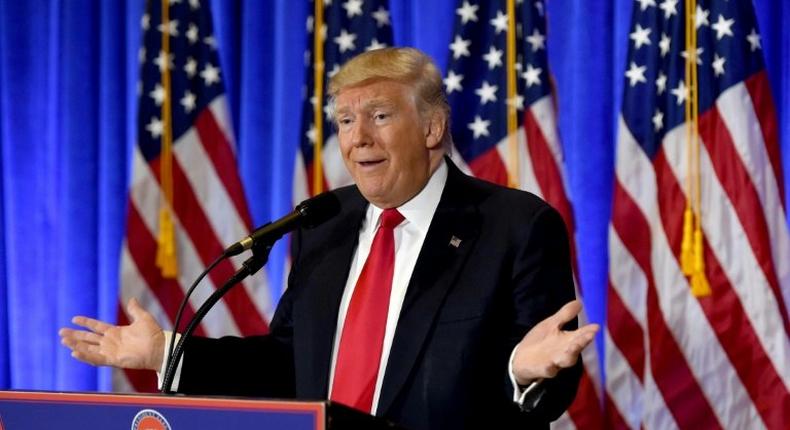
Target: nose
[{"x": 360, "y": 133}]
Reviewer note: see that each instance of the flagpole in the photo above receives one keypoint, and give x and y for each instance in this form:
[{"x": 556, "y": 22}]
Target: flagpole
[
  {"x": 318, "y": 80},
  {"x": 512, "y": 122}
]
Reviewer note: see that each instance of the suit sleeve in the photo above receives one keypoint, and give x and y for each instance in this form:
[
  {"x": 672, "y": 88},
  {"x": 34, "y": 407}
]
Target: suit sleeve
[{"x": 543, "y": 283}]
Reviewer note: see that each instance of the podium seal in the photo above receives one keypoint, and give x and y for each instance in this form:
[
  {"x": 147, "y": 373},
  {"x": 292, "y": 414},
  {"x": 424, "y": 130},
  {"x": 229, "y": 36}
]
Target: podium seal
[{"x": 148, "y": 419}]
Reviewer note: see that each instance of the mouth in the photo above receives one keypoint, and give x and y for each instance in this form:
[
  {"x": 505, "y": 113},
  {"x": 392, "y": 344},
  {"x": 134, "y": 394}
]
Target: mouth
[{"x": 370, "y": 163}]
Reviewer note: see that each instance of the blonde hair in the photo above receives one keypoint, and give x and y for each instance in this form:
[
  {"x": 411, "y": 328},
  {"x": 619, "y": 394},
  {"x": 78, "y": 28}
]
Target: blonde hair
[{"x": 409, "y": 66}]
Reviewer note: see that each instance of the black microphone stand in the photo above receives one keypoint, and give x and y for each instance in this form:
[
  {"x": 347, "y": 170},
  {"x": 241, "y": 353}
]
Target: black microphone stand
[{"x": 260, "y": 255}]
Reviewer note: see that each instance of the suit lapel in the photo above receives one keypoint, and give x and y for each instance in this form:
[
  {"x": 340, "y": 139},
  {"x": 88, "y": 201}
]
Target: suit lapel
[
  {"x": 322, "y": 305},
  {"x": 447, "y": 245}
]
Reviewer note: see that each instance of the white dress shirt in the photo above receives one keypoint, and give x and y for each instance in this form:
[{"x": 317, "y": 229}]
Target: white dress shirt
[{"x": 409, "y": 237}]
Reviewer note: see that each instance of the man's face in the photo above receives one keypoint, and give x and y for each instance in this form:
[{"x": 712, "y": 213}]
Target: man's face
[{"x": 389, "y": 150}]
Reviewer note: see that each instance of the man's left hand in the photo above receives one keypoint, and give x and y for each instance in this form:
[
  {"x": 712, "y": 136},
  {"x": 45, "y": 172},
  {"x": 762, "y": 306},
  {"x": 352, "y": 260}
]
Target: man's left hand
[{"x": 547, "y": 348}]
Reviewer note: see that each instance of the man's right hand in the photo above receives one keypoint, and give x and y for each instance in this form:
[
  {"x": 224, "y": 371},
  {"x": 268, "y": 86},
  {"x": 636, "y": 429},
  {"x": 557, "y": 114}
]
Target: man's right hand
[{"x": 139, "y": 345}]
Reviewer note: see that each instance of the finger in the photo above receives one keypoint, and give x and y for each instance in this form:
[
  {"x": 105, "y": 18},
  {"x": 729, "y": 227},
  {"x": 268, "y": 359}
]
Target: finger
[
  {"x": 89, "y": 357},
  {"x": 567, "y": 313},
  {"x": 86, "y": 336},
  {"x": 91, "y": 324}
]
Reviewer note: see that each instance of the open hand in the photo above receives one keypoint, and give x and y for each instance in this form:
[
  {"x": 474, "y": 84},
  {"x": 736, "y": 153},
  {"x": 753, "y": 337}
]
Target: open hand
[
  {"x": 547, "y": 348},
  {"x": 139, "y": 345}
]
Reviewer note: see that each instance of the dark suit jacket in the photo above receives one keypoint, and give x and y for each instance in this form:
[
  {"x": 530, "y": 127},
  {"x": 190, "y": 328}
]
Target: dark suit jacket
[{"x": 465, "y": 309}]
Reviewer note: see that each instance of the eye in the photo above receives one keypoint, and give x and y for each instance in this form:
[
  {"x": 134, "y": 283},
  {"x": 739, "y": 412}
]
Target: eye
[{"x": 381, "y": 116}]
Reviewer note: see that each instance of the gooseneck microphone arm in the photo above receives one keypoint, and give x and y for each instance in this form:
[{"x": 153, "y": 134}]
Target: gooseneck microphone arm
[
  {"x": 260, "y": 255},
  {"x": 309, "y": 213}
]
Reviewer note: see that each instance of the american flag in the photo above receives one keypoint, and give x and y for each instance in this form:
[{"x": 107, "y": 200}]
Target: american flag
[
  {"x": 195, "y": 183},
  {"x": 677, "y": 359},
  {"x": 350, "y": 27},
  {"x": 477, "y": 87}
]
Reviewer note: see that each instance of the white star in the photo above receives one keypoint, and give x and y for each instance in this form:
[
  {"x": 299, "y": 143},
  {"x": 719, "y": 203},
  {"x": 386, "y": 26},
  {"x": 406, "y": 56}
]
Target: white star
[
  {"x": 164, "y": 61},
  {"x": 345, "y": 41},
  {"x": 658, "y": 120},
  {"x": 479, "y": 127},
  {"x": 188, "y": 101},
  {"x": 664, "y": 44},
  {"x": 194, "y": 4},
  {"x": 669, "y": 7},
  {"x": 192, "y": 34},
  {"x": 353, "y": 8},
  {"x": 538, "y": 6},
  {"x": 723, "y": 27},
  {"x": 643, "y": 4},
  {"x": 661, "y": 83},
  {"x": 145, "y": 21},
  {"x": 467, "y": 12},
  {"x": 155, "y": 127},
  {"x": 681, "y": 92},
  {"x": 190, "y": 67},
  {"x": 375, "y": 44},
  {"x": 453, "y": 82},
  {"x": 487, "y": 93},
  {"x": 531, "y": 75},
  {"x": 493, "y": 58},
  {"x": 460, "y": 47},
  {"x": 754, "y": 40},
  {"x": 701, "y": 18},
  {"x": 158, "y": 94},
  {"x": 328, "y": 111},
  {"x": 537, "y": 40},
  {"x": 172, "y": 28},
  {"x": 698, "y": 55},
  {"x": 382, "y": 17},
  {"x": 640, "y": 36},
  {"x": 210, "y": 74},
  {"x": 500, "y": 22},
  {"x": 210, "y": 41},
  {"x": 636, "y": 74},
  {"x": 141, "y": 54},
  {"x": 718, "y": 65},
  {"x": 333, "y": 72},
  {"x": 517, "y": 101},
  {"x": 311, "y": 133}
]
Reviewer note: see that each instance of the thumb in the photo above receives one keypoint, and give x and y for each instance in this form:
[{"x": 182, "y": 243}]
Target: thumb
[
  {"x": 567, "y": 313},
  {"x": 134, "y": 310}
]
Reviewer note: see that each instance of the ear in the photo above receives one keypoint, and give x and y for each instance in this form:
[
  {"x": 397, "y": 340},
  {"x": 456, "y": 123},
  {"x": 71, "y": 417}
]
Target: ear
[{"x": 434, "y": 129}]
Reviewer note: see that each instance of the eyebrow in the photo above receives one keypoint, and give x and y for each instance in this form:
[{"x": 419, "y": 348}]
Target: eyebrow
[{"x": 369, "y": 105}]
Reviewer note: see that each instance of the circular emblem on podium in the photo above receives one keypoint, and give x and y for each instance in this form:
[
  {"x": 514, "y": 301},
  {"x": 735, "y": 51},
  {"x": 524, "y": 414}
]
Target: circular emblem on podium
[{"x": 148, "y": 419}]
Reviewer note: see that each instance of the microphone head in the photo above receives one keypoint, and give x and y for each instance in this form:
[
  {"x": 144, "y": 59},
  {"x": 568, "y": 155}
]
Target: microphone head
[{"x": 318, "y": 209}]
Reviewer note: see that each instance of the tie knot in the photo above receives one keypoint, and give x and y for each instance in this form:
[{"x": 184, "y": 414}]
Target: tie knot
[{"x": 390, "y": 218}]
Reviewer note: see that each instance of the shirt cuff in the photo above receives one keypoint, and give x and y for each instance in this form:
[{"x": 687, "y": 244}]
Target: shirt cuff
[
  {"x": 161, "y": 373},
  {"x": 527, "y": 398}
]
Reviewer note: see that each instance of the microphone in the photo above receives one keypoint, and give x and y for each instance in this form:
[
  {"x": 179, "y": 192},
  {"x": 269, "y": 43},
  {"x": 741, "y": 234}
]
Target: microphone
[{"x": 309, "y": 213}]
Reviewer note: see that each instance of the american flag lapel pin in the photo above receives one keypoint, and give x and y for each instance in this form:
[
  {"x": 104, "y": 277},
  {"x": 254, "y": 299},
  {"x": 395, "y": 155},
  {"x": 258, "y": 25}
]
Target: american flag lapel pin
[{"x": 455, "y": 242}]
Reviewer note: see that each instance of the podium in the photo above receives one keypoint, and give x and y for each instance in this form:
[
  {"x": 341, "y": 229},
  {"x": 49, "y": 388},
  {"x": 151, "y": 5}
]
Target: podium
[{"x": 32, "y": 410}]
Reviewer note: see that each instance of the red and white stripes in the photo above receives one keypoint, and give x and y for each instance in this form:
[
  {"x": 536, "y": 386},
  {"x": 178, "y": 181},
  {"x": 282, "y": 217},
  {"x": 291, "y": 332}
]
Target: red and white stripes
[
  {"x": 675, "y": 360},
  {"x": 210, "y": 213}
]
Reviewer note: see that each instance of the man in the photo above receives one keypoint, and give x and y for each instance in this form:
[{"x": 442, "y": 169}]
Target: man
[{"x": 419, "y": 302}]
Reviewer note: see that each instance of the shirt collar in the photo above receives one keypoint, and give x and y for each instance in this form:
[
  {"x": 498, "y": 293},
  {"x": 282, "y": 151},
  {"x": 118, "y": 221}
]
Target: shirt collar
[{"x": 419, "y": 209}]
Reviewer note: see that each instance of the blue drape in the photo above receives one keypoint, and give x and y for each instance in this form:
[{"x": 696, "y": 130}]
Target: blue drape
[{"x": 68, "y": 74}]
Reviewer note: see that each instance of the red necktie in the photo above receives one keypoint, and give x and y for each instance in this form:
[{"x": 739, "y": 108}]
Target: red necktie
[{"x": 359, "y": 353}]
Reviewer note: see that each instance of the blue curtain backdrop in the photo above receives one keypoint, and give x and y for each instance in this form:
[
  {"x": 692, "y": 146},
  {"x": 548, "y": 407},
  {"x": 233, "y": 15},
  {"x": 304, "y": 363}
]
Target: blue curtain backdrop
[{"x": 68, "y": 73}]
